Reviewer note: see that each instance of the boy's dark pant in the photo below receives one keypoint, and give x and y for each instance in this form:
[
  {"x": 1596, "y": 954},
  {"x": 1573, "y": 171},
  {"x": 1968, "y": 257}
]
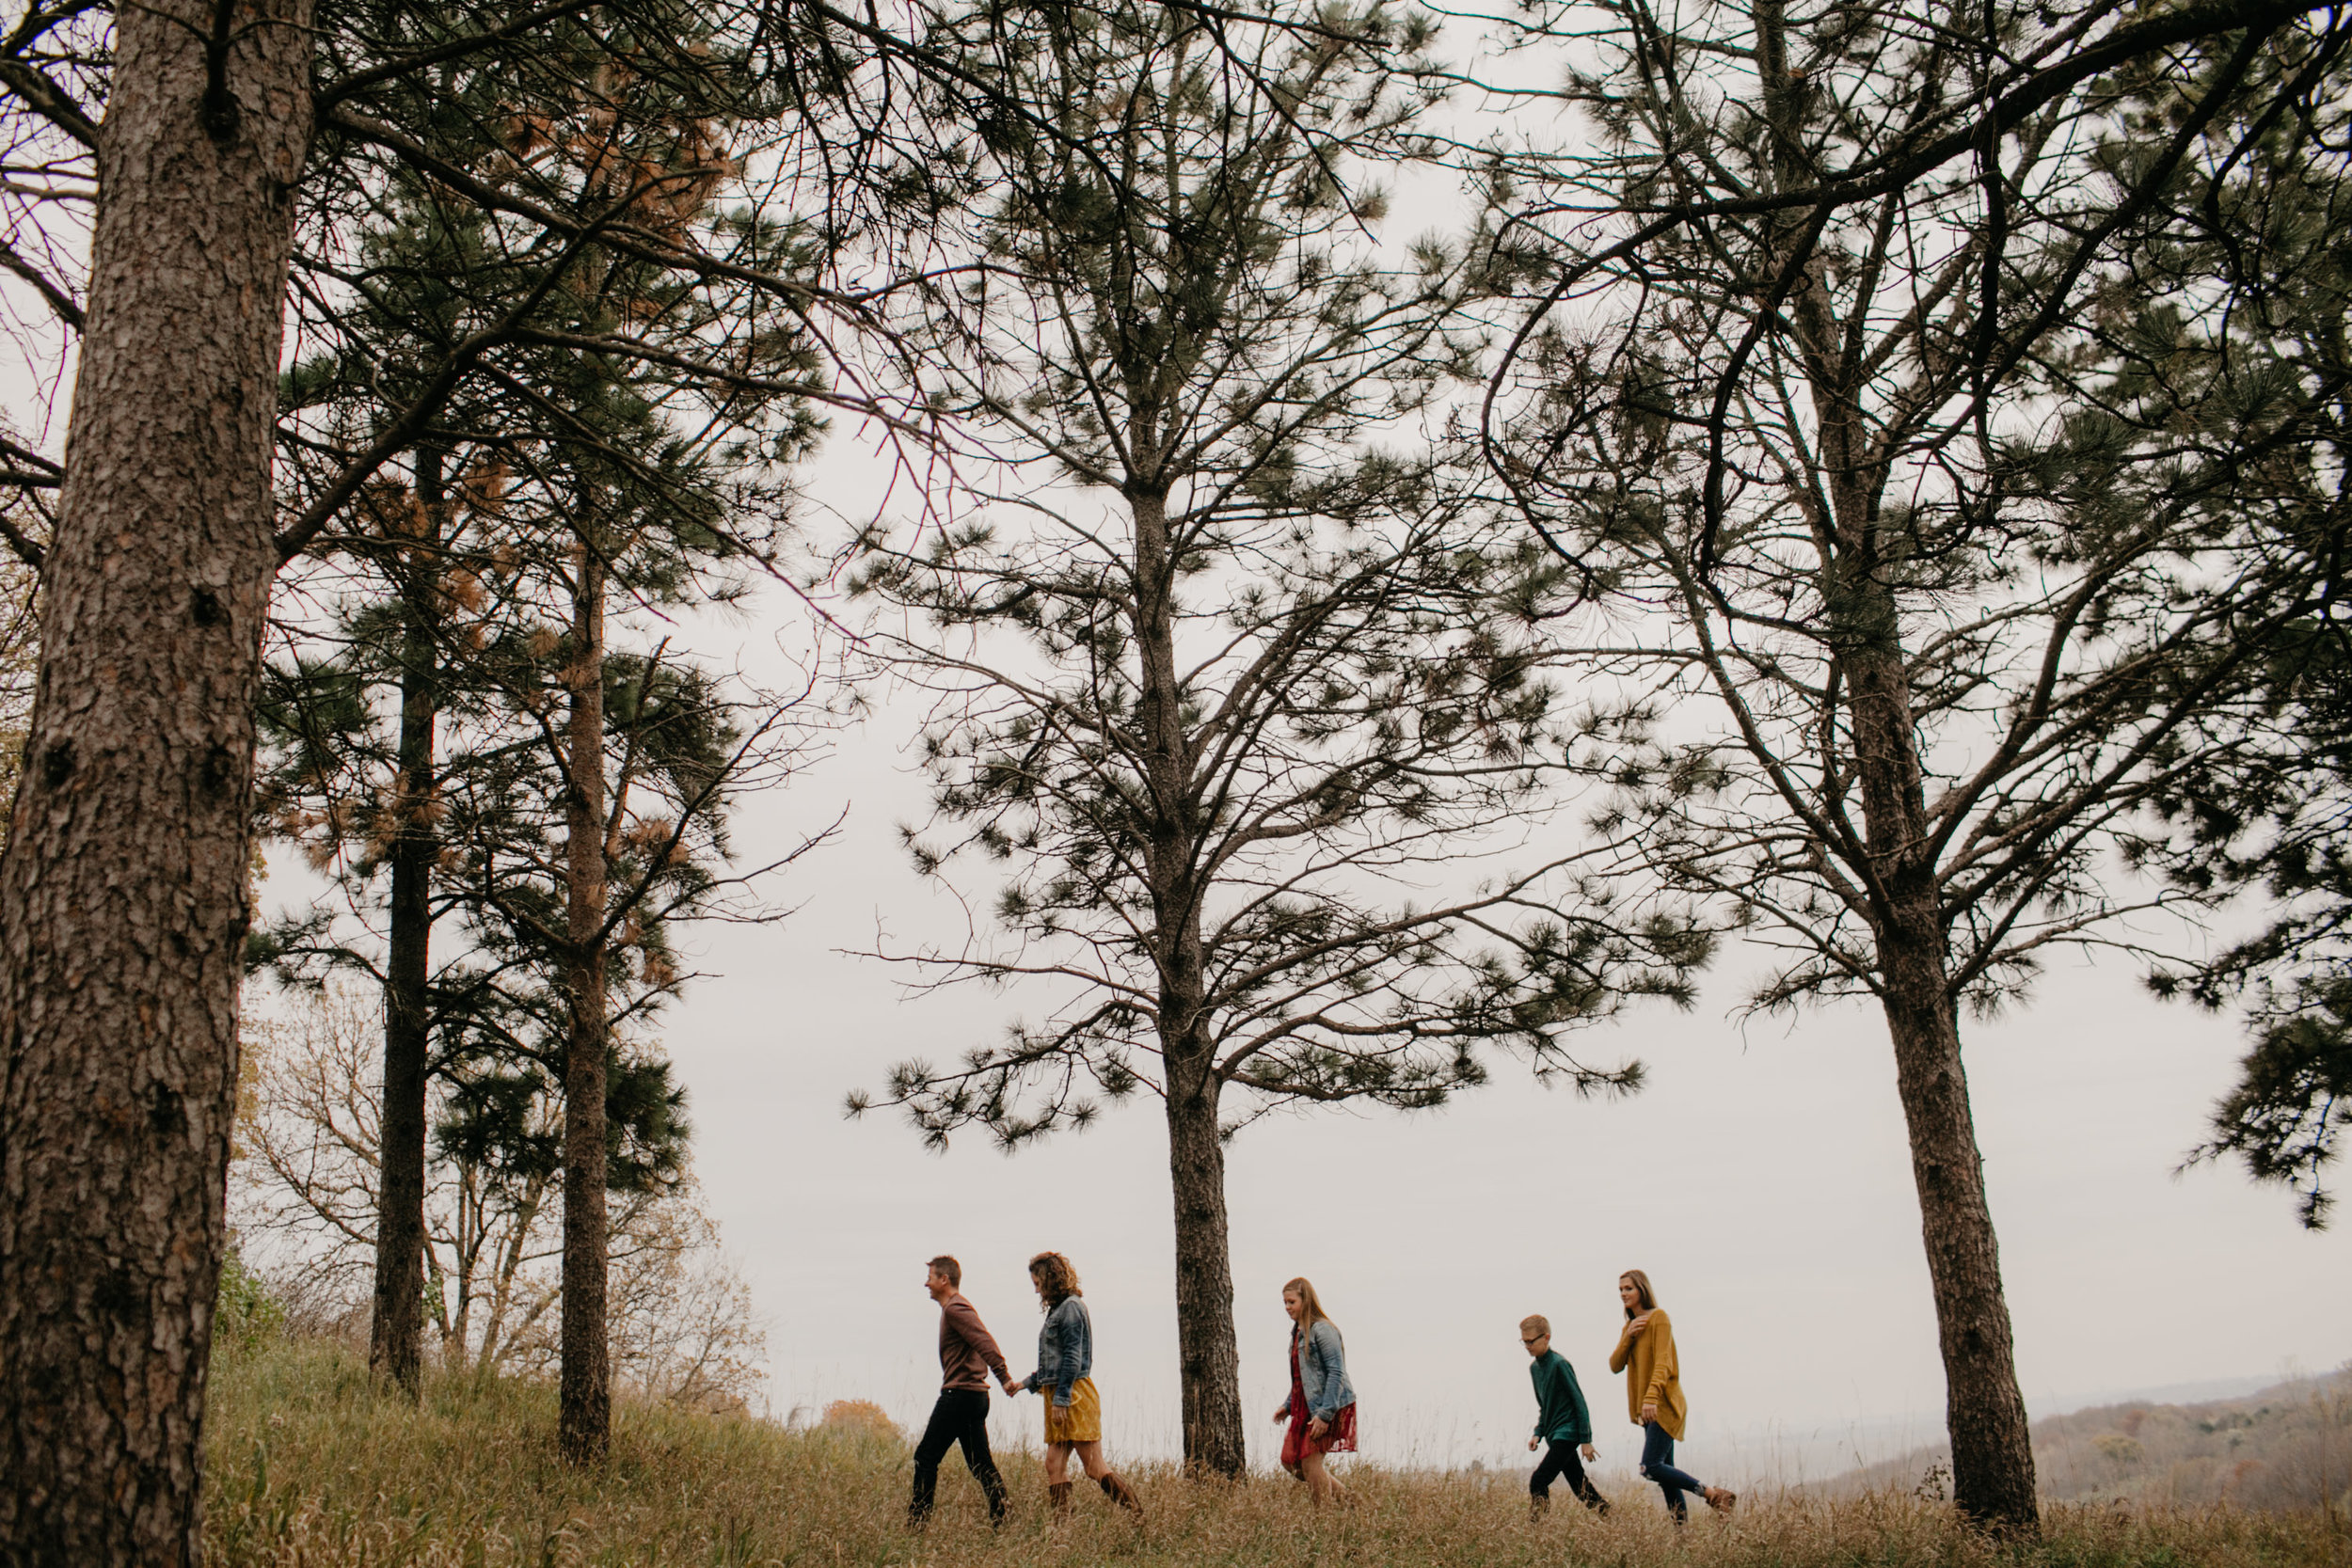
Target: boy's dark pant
[
  {"x": 1560, "y": 1459},
  {"x": 960, "y": 1416}
]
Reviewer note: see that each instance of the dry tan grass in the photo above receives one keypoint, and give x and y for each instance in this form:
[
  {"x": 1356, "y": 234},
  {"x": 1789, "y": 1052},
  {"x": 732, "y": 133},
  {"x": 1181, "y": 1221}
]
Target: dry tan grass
[{"x": 308, "y": 1466}]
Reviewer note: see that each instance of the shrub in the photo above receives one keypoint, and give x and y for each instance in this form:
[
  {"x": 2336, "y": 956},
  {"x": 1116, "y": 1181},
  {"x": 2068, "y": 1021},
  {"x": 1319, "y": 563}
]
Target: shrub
[{"x": 245, "y": 1316}]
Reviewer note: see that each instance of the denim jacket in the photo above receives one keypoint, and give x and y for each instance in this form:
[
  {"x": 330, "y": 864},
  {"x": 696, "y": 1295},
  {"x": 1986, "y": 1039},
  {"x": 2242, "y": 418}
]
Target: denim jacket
[
  {"x": 1323, "y": 1371},
  {"x": 1065, "y": 1350}
]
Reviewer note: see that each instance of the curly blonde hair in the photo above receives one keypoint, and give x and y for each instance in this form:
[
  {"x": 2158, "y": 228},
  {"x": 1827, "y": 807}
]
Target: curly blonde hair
[{"x": 1057, "y": 1280}]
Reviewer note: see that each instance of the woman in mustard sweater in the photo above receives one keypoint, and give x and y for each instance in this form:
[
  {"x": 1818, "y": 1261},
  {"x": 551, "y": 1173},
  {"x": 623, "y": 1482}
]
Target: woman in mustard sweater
[{"x": 1653, "y": 1395}]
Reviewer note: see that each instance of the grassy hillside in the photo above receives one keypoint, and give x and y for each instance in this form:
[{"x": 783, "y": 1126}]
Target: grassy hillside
[
  {"x": 309, "y": 1466},
  {"x": 2288, "y": 1446}
]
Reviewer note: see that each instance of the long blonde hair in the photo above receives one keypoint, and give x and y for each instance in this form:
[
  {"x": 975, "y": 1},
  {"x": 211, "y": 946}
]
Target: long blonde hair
[
  {"x": 1311, "y": 1311},
  {"x": 1640, "y": 1287}
]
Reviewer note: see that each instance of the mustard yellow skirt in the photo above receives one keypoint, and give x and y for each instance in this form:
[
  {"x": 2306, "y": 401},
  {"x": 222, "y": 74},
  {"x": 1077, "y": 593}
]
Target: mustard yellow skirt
[{"x": 1080, "y": 1420}]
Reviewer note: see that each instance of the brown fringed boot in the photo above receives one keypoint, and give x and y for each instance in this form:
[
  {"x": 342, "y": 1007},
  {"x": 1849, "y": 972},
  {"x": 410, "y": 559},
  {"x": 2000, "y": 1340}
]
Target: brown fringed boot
[
  {"x": 1059, "y": 1492},
  {"x": 1121, "y": 1493}
]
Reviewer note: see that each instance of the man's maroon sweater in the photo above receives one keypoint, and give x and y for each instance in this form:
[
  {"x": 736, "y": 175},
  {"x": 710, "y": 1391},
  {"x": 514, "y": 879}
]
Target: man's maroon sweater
[{"x": 967, "y": 1352}]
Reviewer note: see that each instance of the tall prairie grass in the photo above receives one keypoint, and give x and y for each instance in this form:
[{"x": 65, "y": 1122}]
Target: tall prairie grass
[{"x": 310, "y": 1465}]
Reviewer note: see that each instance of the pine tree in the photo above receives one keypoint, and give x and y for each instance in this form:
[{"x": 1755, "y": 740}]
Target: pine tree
[
  {"x": 124, "y": 894},
  {"x": 1221, "y": 658},
  {"x": 1827, "y": 264},
  {"x": 435, "y": 279}
]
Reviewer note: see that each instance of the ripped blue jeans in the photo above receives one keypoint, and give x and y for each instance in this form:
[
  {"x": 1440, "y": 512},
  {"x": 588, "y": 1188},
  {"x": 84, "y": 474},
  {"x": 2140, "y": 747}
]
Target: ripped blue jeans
[{"x": 1658, "y": 1464}]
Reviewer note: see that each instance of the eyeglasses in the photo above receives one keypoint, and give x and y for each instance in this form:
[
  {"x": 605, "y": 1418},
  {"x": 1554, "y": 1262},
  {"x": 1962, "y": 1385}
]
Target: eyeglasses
[{"x": 1529, "y": 1340}]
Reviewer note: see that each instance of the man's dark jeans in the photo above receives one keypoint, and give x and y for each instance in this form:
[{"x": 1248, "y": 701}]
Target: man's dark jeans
[{"x": 960, "y": 1416}]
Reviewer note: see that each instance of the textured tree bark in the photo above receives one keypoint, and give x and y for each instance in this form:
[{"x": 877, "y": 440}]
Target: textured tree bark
[
  {"x": 1208, "y": 1356},
  {"x": 396, "y": 1331},
  {"x": 584, "y": 1414},
  {"x": 1993, "y": 1469},
  {"x": 124, "y": 891}
]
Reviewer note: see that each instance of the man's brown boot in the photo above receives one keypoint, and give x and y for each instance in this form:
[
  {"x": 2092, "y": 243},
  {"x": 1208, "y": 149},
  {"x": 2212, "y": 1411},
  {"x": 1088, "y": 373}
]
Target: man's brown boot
[
  {"x": 1121, "y": 1493},
  {"x": 1538, "y": 1507}
]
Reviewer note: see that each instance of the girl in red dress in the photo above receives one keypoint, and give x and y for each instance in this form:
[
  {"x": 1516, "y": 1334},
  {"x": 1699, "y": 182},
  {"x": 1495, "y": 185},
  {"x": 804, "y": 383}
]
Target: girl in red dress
[{"x": 1321, "y": 1409}]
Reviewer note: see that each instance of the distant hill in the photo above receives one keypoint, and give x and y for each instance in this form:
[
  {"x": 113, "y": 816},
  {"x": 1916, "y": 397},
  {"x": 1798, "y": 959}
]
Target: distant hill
[{"x": 2285, "y": 1447}]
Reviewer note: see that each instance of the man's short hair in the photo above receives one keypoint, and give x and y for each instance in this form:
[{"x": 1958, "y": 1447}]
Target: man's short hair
[
  {"x": 1535, "y": 1323},
  {"x": 949, "y": 1268}
]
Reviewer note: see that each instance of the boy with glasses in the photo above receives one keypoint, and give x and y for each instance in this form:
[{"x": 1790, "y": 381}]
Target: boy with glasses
[{"x": 1562, "y": 1421}]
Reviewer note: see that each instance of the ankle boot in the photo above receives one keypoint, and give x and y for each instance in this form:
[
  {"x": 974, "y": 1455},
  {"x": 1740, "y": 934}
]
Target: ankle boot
[
  {"x": 1538, "y": 1507},
  {"x": 1121, "y": 1493},
  {"x": 1059, "y": 1492}
]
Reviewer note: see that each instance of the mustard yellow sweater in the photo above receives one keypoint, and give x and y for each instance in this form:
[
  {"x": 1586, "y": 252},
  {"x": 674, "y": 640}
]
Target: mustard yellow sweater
[{"x": 1651, "y": 1374}]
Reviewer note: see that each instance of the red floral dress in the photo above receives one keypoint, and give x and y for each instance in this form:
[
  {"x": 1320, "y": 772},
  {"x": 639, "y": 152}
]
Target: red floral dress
[{"x": 1339, "y": 1433}]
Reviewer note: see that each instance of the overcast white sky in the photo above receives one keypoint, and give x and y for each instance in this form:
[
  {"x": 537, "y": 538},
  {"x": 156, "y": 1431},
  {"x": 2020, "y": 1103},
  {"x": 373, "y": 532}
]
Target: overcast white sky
[{"x": 1761, "y": 1178}]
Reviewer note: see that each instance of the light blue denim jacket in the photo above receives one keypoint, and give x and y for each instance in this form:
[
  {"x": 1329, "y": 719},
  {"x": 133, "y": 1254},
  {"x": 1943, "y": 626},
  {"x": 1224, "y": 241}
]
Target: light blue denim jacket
[
  {"x": 1323, "y": 1371},
  {"x": 1065, "y": 1350}
]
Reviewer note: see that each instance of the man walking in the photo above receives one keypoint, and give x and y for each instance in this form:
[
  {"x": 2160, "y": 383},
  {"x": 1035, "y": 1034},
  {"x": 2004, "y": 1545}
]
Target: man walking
[{"x": 967, "y": 1354}]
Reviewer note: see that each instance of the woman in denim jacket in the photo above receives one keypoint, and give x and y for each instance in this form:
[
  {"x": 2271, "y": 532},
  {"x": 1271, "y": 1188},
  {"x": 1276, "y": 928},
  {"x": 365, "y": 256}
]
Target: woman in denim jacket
[
  {"x": 1321, "y": 1409},
  {"x": 1073, "y": 1411}
]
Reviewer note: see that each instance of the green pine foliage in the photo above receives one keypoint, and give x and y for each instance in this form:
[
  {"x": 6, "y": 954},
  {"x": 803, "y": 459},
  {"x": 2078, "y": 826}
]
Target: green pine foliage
[
  {"x": 1243, "y": 654},
  {"x": 2229, "y": 400}
]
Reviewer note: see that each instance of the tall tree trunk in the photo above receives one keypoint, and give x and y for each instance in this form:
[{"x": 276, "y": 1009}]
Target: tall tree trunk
[
  {"x": 396, "y": 1332},
  {"x": 124, "y": 894},
  {"x": 584, "y": 1423},
  {"x": 1207, "y": 1352},
  {"x": 1209, "y": 1358},
  {"x": 1993, "y": 1470}
]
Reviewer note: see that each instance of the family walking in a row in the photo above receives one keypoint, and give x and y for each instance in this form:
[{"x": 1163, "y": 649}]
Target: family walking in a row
[{"x": 1320, "y": 1411}]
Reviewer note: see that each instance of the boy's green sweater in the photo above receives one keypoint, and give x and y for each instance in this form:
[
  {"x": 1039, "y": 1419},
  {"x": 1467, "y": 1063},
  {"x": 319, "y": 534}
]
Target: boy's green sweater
[{"x": 1560, "y": 1416}]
